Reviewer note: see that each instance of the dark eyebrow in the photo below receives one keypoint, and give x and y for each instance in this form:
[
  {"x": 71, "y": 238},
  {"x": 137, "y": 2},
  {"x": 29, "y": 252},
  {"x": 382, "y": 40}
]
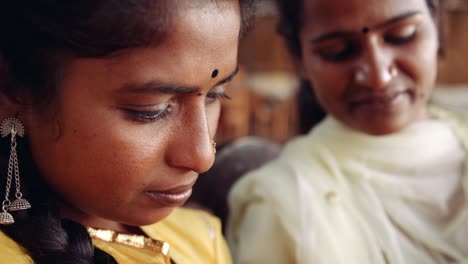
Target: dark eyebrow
[
  {"x": 333, "y": 35},
  {"x": 396, "y": 19},
  {"x": 339, "y": 34},
  {"x": 230, "y": 77},
  {"x": 156, "y": 87}
]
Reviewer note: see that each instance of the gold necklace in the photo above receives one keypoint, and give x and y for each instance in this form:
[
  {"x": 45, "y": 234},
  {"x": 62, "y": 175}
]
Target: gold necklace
[{"x": 137, "y": 241}]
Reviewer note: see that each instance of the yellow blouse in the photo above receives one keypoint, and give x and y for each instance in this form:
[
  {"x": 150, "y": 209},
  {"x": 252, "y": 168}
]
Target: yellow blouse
[
  {"x": 10, "y": 252},
  {"x": 194, "y": 237}
]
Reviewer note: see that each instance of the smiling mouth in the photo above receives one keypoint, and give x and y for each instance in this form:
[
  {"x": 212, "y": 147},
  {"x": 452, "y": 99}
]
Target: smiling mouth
[{"x": 382, "y": 101}]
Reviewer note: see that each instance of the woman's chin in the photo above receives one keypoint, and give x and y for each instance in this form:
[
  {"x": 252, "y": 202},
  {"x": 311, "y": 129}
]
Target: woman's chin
[
  {"x": 149, "y": 218},
  {"x": 383, "y": 128},
  {"x": 380, "y": 126}
]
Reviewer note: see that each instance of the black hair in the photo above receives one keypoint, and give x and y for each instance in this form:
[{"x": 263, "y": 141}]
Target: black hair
[
  {"x": 292, "y": 19},
  {"x": 309, "y": 111},
  {"x": 289, "y": 26},
  {"x": 38, "y": 37}
]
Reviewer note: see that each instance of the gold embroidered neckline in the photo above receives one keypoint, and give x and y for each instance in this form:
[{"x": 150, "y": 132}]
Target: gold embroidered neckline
[{"x": 137, "y": 241}]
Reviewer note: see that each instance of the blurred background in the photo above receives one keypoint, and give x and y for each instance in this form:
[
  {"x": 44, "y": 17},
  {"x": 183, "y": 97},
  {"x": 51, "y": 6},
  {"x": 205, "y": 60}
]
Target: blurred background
[
  {"x": 266, "y": 94},
  {"x": 269, "y": 107}
]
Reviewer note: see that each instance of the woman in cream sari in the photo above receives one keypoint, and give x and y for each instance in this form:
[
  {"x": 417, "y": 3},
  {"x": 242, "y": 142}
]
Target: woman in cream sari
[{"x": 383, "y": 178}]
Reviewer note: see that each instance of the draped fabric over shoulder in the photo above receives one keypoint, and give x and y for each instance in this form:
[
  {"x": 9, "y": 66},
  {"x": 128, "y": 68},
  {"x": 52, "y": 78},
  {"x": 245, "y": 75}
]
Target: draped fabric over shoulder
[{"x": 339, "y": 196}]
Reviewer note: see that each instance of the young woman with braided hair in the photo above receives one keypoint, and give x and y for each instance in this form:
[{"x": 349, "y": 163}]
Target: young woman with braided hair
[{"x": 109, "y": 110}]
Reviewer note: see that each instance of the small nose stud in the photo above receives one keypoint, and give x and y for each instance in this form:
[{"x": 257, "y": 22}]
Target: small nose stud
[
  {"x": 393, "y": 71},
  {"x": 361, "y": 72},
  {"x": 214, "y": 146}
]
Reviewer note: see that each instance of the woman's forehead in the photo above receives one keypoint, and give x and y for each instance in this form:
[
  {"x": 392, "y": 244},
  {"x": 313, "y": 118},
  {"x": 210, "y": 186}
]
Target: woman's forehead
[
  {"x": 322, "y": 14},
  {"x": 180, "y": 7}
]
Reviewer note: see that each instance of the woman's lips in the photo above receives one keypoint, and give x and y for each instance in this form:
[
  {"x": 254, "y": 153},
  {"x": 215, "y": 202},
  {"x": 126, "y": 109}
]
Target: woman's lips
[
  {"x": 173, "y": 197},
  {"x": 379, "y": 102}
]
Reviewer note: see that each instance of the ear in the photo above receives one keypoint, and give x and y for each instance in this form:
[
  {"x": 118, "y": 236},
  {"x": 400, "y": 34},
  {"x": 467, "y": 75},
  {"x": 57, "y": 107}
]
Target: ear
[
  {"x": 8, "y": 106},
  {"x": 12, "y": 108}
]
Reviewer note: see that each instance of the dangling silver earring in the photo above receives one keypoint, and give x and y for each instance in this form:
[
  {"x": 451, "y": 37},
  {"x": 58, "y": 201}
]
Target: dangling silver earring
[{"x": 14, "y": 127}]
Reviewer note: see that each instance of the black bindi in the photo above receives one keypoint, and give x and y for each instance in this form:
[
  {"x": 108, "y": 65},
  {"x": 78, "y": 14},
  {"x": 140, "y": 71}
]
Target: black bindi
[
  {"x": 214, "y": 73},
  {"x": 365, "y": 30}
]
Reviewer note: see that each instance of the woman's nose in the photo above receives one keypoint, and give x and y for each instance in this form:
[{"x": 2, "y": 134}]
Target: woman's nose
[
  {"x": 376, "y": 68},
  {"x": 192, "y": 148}
]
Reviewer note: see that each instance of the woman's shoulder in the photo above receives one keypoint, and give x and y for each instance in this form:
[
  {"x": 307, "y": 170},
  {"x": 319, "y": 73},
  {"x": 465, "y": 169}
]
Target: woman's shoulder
[
  {"x": 194, "y": 236},
  {"x": 12, "y": 252},
  {"x": 299, "y": 162},
  {"x": 187, "y": 221}
]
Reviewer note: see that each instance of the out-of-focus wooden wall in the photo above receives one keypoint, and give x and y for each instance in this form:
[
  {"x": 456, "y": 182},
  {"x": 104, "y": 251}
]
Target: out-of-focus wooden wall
[
  {"x": 454, "y": 67},
  {"x": 255, "y": 108},
  {"x": 263, "y": 49}
]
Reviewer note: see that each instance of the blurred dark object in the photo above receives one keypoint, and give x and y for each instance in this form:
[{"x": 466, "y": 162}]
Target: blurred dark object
[
  {"x": 309, "y": 110},
  {"x": 232, "y": 161}
]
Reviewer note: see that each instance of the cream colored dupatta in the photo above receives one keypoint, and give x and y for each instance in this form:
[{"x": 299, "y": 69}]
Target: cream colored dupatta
[{"x": 339, "y": 196}]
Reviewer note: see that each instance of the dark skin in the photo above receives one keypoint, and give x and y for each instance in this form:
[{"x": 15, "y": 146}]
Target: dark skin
[
  {"x": 137, "y": 124},
  {"x": 372, "y": 63}
]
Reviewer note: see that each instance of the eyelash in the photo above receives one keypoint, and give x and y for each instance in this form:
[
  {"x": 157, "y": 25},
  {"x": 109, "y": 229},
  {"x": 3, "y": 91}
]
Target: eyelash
[
  {"x": 352, "y": 49},
  {"x": 214, "y": 96},
  {"x": 400, "y": 40},
  {"x": 148, "y": 116},
  {"x": 345, "y": 54},
  {"x": 151, "y": 116}
]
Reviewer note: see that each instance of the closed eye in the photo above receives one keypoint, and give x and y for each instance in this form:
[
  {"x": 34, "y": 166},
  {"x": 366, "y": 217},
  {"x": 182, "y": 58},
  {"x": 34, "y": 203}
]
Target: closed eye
[
  {"x": 216, "y": 94},
  {"x": 401, "y": 35},
  {"x": 337, "y": 51},
  {"x": 146, "y": 116}
]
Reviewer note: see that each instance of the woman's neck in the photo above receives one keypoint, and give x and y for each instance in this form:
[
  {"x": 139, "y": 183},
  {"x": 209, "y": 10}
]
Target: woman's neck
[{"x": 97, "y": 222}]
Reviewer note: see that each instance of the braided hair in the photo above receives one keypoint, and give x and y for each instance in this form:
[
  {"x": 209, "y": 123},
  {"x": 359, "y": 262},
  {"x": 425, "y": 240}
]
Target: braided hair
[{"x": 63, "y": 30}]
